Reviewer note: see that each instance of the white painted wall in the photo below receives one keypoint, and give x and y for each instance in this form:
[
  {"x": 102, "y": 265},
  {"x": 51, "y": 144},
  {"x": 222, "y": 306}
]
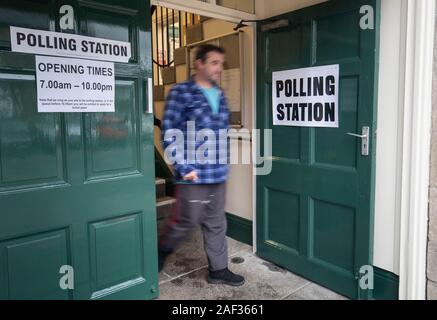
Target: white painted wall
[
  {"x": 239, "y": 188},
  {"x": 389, "y": 140},
  {"x": 238, "y": 194}
]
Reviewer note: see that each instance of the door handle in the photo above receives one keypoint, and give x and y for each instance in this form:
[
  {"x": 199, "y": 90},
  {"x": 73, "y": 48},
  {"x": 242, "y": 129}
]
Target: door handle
[
  {"x": 356, "y": 135},
  {"x": 364, "y": 136}
]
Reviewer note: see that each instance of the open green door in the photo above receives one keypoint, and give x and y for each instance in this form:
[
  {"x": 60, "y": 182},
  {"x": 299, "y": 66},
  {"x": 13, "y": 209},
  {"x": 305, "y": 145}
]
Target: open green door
[
  {"x": 315, "y": 209},
  {"x": 77, "y": 189}
]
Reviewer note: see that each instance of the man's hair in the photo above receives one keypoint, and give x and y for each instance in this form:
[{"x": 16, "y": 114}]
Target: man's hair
[{"x": 204, "y": 49}]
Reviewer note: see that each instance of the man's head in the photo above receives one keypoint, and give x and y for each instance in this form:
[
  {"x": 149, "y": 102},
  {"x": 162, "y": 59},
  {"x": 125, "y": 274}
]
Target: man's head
[{"x": 209, "y": 62}]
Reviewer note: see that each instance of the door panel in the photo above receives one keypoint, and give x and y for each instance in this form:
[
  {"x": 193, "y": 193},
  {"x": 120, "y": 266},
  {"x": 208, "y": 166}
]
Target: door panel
[
  {"x": 113, "y": 145},
  {"x": 26, "y": 133},
  {"x": 77, "y": 189},
  {"x": 315, "y": 209}
]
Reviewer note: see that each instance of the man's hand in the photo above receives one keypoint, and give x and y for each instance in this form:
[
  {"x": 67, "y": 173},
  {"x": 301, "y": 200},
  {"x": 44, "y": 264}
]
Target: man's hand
[{"x": 192, "y": 176}]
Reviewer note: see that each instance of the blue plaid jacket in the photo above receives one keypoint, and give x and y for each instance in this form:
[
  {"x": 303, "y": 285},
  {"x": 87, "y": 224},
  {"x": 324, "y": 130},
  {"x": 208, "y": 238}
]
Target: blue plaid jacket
[{"x": 208, "y": 156}]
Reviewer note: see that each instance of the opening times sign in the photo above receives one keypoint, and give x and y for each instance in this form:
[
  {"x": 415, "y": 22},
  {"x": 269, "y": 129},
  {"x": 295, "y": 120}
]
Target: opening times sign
[
  {"x": 70, "y": 84},
  {"x": 74, "y": 85},
  {"x": 306, "y": 97}
]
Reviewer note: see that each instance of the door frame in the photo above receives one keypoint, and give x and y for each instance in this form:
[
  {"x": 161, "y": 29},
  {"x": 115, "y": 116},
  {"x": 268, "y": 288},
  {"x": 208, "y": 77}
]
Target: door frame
[
  {"x": 418, "y": 50},
  {"x": 208, "y": 9},
  {"x": 230, "y": 15},
  {"x": 418, "y": 19},
  {"x": 364, "y": 244},
  {"x": 413, "y": 182}
]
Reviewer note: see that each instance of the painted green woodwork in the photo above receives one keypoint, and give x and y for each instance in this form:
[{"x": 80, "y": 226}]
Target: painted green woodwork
[
  {"x": 239, "y": 228},
  {"x": 77, "y": 189},
  {"x": 315, "y": 209},
  {"x": 386, "y": 285}
]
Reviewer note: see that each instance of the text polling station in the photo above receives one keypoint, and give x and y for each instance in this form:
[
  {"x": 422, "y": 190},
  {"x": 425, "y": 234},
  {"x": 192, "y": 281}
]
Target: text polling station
[{"x": 306, "y": 97}]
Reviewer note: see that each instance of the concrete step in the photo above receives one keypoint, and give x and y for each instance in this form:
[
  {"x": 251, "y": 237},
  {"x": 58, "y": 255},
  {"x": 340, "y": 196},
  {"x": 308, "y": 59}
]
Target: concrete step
[
  {"x": 160, "y": 188},
  {"x": 164, "y": 206}
]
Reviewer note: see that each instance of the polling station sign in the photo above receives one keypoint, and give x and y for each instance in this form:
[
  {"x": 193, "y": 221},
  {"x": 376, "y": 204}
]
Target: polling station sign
[
  {"x": 74, "y": 85},
  {"x": 306, "y": 97},
  {"x": 68, "y": 45}
]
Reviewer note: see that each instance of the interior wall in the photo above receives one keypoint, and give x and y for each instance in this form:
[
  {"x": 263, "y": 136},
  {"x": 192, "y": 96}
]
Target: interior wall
[{"x": 238, "y": 197}]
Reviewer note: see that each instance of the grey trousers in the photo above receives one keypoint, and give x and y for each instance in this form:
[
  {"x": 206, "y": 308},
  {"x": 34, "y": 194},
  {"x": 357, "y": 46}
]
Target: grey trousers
[{"x": 205, "y": 205}]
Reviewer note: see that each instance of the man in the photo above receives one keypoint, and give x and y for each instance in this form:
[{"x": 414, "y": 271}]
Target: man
[{"x": 200, "y": 185}]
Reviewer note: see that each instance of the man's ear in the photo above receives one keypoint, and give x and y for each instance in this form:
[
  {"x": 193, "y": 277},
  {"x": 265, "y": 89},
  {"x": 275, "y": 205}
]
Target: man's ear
[{"x": 198, "y": 63}]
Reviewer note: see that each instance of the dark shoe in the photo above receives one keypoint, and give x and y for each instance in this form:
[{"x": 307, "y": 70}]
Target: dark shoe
[
  {"x": 225, "y": 276},
  {"x": 162, "y": 255}
]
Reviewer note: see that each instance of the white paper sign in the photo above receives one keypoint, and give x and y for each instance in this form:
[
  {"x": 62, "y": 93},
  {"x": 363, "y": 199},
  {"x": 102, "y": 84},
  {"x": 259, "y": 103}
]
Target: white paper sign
[
  {"x": 68, "y": 45},
  {"x": 74, "y": 85},
  {"x": 306, "y": 97}
]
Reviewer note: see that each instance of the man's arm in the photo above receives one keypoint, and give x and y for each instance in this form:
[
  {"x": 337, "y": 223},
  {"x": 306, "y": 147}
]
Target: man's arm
[{"x": 174, "y": 120}]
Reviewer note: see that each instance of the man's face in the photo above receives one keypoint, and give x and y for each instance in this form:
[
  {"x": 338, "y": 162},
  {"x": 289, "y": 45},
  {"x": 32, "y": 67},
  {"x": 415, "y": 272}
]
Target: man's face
[{"x": 212, "y": 68}]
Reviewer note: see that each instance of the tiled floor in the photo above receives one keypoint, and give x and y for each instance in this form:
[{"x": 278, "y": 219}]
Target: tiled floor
[{"x": 185, "y": 272}]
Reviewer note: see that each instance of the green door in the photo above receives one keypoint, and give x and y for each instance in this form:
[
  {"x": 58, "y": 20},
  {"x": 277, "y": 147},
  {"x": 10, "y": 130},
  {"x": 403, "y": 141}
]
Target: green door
[
  {"x": 315, "y": 209},
  {"x": 77, "y": 189}
]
